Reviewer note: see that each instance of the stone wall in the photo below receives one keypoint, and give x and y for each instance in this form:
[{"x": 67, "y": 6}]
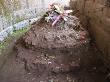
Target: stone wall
[{"x": 97, "y": 14}]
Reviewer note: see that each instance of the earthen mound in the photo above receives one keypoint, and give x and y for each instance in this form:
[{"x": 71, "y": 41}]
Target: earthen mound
[{"x": 52, "y": 49}]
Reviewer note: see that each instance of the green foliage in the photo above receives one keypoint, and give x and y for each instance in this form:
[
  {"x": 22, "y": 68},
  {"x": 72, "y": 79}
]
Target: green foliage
[
  {"x": 1, "y": 3},
  {"x": 18, "y": 19},
  {"x": 10, "y": 38},
  {"x": 3, "y": 7},
  {"x": 16, "y": 4},
  {"x": 8, "y": 6}
]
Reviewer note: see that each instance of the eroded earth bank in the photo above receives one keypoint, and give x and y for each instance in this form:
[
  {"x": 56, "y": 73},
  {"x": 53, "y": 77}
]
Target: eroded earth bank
[{"x": 63, "y": 53}]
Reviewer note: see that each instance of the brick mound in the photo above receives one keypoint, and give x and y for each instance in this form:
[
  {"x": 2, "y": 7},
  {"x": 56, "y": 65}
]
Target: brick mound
[{"x": 46, "y": 49}]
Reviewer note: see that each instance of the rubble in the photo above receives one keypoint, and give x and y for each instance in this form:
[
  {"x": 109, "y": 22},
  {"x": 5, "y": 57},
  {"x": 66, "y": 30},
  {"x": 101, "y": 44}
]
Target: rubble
[
  {"x": 49, "y": 47},
  {"x": 56, "y": 12}
]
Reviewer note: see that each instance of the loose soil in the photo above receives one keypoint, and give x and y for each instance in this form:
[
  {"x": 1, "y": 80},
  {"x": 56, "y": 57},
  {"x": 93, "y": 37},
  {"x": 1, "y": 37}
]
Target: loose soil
[{"x": 54, "y": 54}]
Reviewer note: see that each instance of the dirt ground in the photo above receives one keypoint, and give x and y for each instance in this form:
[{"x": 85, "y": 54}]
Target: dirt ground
[
  {"x": 52, "y": 55},
  {"x": 14, "y": 71}
]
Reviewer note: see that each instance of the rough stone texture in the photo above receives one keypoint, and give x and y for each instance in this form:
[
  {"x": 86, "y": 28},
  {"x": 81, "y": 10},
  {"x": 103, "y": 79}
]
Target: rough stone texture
[{"x": 97, "y": 13}]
